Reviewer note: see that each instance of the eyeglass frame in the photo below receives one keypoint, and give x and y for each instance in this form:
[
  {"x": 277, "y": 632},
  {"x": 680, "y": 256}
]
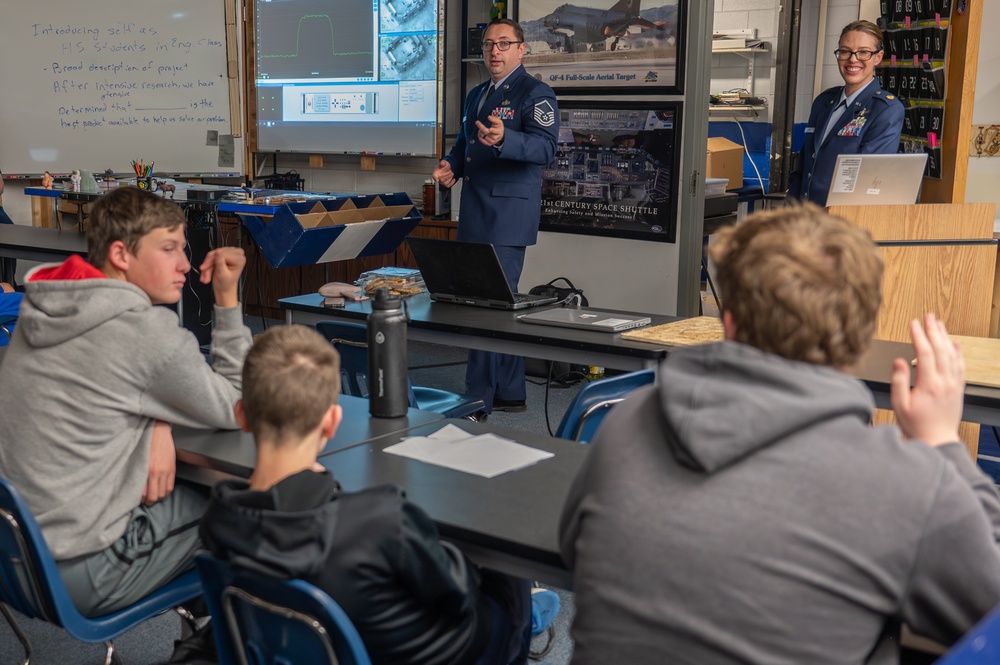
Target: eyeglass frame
[
  {"x": 488, "y": 45},
  {"x": 855, "y": 54}
]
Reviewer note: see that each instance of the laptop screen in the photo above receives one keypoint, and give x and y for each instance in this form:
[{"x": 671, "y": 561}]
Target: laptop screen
[
  {"x": 877, "y": 179},
  {"x": 464, "y": 269}
]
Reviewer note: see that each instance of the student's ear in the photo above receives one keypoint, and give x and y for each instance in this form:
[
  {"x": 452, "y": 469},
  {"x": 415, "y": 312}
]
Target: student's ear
[
  {"x": 728, "y": 325},
  {"x": 241, "y": 416},
  {"x": 331, "y": 421},
  {"x": 119, "y": 256}
]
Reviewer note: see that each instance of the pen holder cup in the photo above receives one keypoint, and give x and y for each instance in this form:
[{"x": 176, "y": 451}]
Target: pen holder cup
[{"x": 149, "y": 184}]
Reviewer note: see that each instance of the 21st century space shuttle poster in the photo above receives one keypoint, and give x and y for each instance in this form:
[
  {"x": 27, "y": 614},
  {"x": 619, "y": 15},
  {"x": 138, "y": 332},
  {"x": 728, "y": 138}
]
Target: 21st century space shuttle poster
[{"x": 604, "y": 46}]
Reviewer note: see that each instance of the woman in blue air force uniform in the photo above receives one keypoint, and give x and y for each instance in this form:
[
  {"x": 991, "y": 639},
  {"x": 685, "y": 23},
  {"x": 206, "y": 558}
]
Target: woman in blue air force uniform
[{"x": 856, "y": 118}]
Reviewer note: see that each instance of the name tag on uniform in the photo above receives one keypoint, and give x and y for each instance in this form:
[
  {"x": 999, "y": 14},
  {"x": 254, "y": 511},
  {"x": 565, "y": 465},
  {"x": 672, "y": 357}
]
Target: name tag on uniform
[{"x": 810, "y": 130}]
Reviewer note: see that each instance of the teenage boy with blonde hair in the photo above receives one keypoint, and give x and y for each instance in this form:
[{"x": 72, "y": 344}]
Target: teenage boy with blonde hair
[
  {"x": 744, "y": 510},
  {"x": 94, "y": 373},
  {"x": 413, "y": 598}
]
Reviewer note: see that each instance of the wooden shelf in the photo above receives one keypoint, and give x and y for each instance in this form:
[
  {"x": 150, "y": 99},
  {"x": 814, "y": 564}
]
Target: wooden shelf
[
  {"x": 742, "y": 109},
  {"x": 751, "y": 49}
]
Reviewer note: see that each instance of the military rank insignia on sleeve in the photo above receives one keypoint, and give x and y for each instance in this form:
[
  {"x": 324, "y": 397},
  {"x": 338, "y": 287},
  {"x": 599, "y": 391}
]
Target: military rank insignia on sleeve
[{"x": 545, "y": 115}]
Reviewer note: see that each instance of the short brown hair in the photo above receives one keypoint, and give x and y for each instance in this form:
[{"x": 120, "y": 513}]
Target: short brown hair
[
  {"x": 800, "y": 283},
  {"x": 291, "y": 376},
  {"x": 127, "y": 214},
  {"x": 866, "y": 27},
  {"x": 514, "y": 25}
]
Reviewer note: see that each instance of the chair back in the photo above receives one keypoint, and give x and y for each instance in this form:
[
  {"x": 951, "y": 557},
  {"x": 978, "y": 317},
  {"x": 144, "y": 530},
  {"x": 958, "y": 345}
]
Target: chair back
[
  {"x": 351, "y": 341},
  {"x": 593, "y": 402},
  {"x": 263, "y": 620},
  {"x": 979, "y": 645},
  {"x": 29, "y": 578},
  {"x": 7, "y": 324}
]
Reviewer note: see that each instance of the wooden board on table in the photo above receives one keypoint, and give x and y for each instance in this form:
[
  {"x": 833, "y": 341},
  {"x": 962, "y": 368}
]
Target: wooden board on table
[
  {"x": 982, "y": 360},
  {"x": 697, "y": 330}
]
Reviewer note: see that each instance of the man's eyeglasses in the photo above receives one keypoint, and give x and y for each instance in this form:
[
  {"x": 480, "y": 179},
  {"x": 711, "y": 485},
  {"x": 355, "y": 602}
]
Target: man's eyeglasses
[
  {"x": 863, "y": 55},
  {"x": 502, "y": 45}
]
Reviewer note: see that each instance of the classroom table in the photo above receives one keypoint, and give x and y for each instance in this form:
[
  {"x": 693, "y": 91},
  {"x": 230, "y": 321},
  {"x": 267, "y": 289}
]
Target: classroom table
[
  {"x": 469, "y": 327},
  {"x": 206, "y": 456},
  {"x": 508, "y": 523},
  {"x": 496, "y": 330},
  {"x": 36, "y": 244},
  {"x": 981, "y": 403}
]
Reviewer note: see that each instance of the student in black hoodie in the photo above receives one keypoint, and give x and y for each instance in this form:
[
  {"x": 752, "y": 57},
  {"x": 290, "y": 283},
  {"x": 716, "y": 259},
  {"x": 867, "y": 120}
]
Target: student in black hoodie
[{"x": 413, "y": 598}]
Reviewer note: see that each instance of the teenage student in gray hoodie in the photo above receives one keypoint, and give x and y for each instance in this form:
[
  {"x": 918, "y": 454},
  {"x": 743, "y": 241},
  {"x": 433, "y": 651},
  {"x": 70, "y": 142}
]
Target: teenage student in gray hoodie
[
  {"x": 744, "y": 510},
  {"x": 94, "y": 373}
]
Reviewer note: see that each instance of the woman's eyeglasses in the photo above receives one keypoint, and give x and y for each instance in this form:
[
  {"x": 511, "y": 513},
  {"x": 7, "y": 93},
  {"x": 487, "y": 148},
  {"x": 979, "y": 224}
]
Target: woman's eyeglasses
[{"x": 843, "y": 54}]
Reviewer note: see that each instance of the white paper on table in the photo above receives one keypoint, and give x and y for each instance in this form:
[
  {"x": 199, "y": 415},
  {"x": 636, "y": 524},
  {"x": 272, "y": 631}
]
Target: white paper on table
[
  {"x": 450, "y": 433},
  {"x": 486, "y": 455}
]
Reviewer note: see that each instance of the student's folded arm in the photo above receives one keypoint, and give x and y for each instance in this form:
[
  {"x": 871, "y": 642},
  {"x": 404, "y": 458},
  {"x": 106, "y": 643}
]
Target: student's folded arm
[
  {"x": 955, "y": 580},
  {"x": 186, "y": 390},
  {"x": 433, "y": 571}
]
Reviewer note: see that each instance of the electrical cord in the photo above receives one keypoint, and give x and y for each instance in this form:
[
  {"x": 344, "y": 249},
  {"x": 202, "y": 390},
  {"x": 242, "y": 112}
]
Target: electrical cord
[{"x": 747, "y": 151}]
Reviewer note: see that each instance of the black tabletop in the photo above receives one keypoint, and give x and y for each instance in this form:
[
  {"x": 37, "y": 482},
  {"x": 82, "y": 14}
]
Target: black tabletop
[
  {"x": 515, "y": 514},
  {"x": 491, "y": 323},
  {"x": 23, "y": 241},
  {"x": 233, "y": 453}
]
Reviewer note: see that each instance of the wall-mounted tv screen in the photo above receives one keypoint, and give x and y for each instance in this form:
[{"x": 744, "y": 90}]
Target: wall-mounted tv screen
[
  {"x": 615, "y": 170},
  {"x": 348, "y": 77}
]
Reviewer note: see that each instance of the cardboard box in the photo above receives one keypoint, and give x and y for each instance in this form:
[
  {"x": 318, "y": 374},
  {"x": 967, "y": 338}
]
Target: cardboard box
[
  {"x": 725, "y": 160},
  {"x": 321, "y": 230}
]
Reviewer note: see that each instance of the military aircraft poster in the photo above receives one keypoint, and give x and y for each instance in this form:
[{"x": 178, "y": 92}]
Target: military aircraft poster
[{"x": 611, "y": 46}]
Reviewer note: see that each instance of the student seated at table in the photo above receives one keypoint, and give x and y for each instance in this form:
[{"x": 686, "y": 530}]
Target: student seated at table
[
  {"x": 413, "y": 598},
  {"x": 744, "y": 510},
  {"x": 93, "y": 374}
]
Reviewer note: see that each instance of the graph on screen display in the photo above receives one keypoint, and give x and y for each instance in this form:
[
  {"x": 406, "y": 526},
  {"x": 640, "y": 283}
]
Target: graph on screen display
[{"x": 307, "y": 39}]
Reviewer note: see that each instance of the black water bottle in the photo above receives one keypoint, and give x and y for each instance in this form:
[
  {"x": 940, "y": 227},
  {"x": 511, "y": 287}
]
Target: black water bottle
[{"x": 387, "y": 390}]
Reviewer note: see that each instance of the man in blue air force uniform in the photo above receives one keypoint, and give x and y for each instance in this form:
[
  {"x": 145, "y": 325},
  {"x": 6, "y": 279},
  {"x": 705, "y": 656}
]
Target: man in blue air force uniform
[
  {"x": 858, "y": 118},
  {"x": 509, "y": 129}
]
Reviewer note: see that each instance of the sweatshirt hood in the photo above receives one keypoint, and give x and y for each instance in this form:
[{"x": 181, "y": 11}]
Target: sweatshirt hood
[
  {"x": 725, "y": 401},
  {"x": 62, "y": 301},
  {"x": 288, "y": 529}
]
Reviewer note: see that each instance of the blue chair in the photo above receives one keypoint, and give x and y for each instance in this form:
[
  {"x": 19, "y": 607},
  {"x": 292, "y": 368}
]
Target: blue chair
[
  {"x": 31, "y": 584},
  {"x": 979, "y": 645},
  {"x": 351, "y": 341},
  {"x": 585, "y": 414},
  {"x": 7, "y": 329},
  {"x": 263, "y": 620}
]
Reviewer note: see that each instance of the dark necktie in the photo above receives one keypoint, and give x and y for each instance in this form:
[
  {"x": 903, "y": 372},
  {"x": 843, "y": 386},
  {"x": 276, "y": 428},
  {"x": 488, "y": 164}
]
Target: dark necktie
[{"x": 834, "y": 118}]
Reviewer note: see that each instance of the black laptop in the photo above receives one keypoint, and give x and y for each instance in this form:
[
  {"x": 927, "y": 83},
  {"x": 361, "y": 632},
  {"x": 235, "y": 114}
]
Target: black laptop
[{"x": 467, "y": 273}]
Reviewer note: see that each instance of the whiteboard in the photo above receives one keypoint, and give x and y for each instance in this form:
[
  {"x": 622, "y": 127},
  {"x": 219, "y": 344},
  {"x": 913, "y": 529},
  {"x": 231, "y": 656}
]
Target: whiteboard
[{"x": 94, "y": 84}]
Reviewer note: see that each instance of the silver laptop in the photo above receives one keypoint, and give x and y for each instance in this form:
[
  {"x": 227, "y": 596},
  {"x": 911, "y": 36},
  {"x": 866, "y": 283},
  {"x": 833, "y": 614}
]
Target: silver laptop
[
  {"x": 877, "y": 179},
  {"x": 586, "y": 319}
]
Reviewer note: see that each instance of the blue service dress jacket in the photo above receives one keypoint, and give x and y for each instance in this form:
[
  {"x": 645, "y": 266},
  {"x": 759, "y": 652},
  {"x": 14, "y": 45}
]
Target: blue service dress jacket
[
  {"x": 872, "y": 125},
  {"x": 502, "y": 189}
]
